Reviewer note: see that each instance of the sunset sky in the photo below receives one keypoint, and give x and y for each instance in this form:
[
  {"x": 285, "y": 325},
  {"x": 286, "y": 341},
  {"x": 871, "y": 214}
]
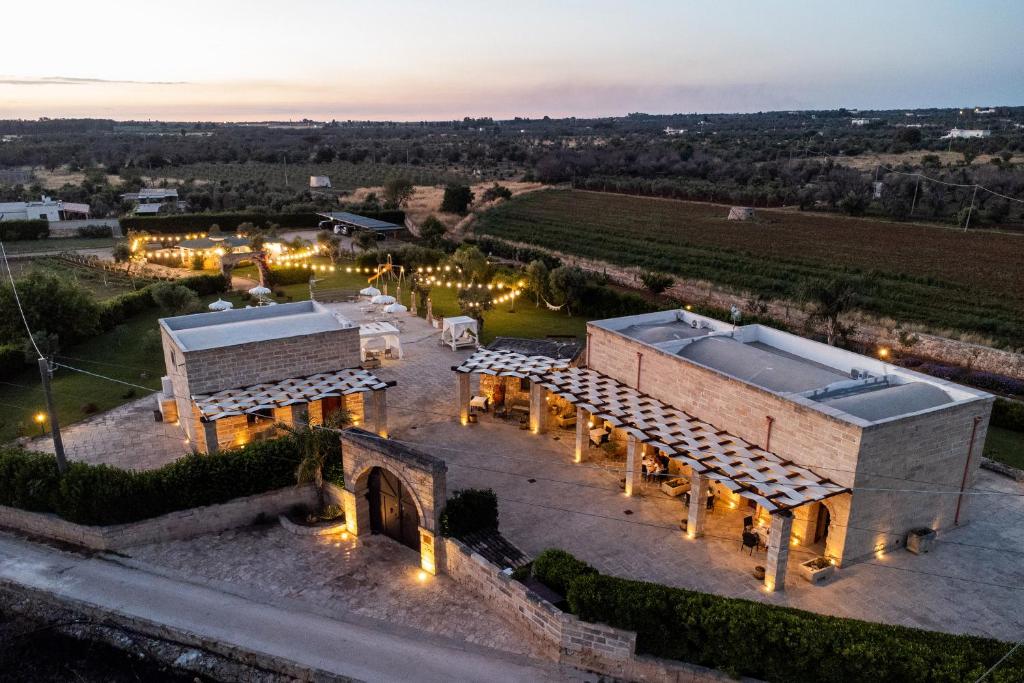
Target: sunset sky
[{"x": 259, "y": 60}]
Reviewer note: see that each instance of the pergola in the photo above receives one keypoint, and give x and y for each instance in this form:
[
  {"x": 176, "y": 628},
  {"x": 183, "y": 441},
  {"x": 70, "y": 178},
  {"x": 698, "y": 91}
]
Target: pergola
[{"x": 776, "y": 484}]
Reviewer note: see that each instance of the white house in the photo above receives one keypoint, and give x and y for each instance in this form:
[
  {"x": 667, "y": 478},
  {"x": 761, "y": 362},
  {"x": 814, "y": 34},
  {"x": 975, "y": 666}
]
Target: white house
[
  {"x": 319, "y": 181},
  {"x": 966, "y": 133},
  {"x": 149, "y": 200},
  {"x": 52, "y": 210},
  {"x": 859, "y": 122}
]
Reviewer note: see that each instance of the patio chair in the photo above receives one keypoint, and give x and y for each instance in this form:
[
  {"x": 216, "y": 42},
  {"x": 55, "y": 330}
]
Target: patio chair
[{"x": 750, "y": 540}]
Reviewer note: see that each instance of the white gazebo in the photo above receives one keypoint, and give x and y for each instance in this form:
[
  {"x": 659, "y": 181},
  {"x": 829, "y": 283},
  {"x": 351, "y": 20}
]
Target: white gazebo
[
  {"x": 379, "y": 335},
  {"x": 459, "y": 332}
]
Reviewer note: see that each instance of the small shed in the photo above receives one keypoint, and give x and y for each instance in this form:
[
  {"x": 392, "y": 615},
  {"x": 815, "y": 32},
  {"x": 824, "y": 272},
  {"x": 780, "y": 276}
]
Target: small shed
[
  {"x": 319, "y": 181},
  {"x": 459, "y": 332},
  {"x": 741, "y": 213}
]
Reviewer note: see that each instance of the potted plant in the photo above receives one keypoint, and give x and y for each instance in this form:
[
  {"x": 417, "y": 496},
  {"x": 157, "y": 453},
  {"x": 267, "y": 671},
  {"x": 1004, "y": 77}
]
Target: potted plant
[
  {"x": 817, "y": 570},
  {"x": 920, "y": 540}
]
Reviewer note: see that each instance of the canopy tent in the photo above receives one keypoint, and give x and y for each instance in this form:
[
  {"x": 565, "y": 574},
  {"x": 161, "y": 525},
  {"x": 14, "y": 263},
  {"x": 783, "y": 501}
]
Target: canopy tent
[
  {"x": 221, "y": 305},
  {"x": 459, "y": 332},
  {"x": 379, "y": 335},
  {"x": 369, "y": 291},
  {"x": 382, "y": 299}
]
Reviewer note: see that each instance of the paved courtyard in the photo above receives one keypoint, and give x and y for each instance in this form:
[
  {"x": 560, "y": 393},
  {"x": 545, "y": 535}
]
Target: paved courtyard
[{"x": 972, "y": 582}]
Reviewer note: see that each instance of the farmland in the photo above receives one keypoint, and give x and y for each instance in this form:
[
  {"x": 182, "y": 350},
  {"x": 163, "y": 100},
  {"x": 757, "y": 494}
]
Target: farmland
[
  {"x": 941, "y": 278},
  {"x": 344, "y": 175}
]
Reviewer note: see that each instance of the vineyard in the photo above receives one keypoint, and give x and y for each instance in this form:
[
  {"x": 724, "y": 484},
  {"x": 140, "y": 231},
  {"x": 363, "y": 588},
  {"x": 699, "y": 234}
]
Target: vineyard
[
  {"x": 344, "y": 175},
  {"x": 942, "y": 278}
]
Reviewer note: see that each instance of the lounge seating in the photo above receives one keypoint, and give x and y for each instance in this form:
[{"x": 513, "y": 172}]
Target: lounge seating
[{"x": 750, "y": 540}]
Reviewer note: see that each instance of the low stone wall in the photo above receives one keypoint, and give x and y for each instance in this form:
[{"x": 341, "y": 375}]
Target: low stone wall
[
  {"x": 70, "y": 228},
  {"x": 172, "y": 526},
  {"x": 565, "y": 638},
  {"x": 1003, "y": 469}
]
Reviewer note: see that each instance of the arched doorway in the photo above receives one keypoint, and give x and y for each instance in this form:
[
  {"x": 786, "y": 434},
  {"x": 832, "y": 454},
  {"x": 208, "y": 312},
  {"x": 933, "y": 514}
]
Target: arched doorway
[{"x": 392, "y": 509}]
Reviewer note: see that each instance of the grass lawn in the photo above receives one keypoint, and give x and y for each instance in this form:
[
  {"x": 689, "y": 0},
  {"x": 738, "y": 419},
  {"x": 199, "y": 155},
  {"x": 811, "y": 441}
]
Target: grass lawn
[
  {"x": 102, "y": 285},
  {"x": 1005, "y": 446},
  {"x": 58, "y": 244}
]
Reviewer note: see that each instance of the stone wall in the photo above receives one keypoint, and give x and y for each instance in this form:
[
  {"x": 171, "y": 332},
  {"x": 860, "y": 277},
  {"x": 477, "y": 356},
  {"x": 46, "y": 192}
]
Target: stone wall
[
  {"x": 564, "y": 637},
  {"x": 172, "y": 526}
]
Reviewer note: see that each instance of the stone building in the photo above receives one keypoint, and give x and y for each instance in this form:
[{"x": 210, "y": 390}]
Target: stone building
[
  {"x": 233, "y": 375},
  {"x": 810, "y": 445}
]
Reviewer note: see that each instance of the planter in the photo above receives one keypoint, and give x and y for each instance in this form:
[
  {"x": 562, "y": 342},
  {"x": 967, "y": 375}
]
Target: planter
[
  {"x": 817, "y": 570},
  {"x": 920, "y": 540},
  {"x": 759, "y": 573},
  {"x": 327, "y": 528},
  {"x": 675, "y": 487}
]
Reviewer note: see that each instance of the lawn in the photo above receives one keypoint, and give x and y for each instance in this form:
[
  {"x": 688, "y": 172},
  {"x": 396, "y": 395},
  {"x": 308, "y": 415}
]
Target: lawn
[
  {"x": 59, "y": 244},
  {"x": 1005, "y": 446},
  {"x": 940, "y": 277},
  {"x": 101, "y": 284}
]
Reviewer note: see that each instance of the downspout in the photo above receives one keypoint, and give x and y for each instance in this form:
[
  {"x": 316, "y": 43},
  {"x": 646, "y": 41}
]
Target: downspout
[
  {"x": 639, "y": 364},
  {"x": 586, "y": 362},
  {"x": 967, "y": 466},
  {"x": 768, "y": 437}
]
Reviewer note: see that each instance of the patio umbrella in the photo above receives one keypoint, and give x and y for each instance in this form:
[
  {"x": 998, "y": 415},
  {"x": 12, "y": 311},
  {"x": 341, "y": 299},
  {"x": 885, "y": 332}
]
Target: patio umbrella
[
  {"x": 382, "y": 299},
  {"x": 395, "y": 308},
  {"x": 221, "y": 305},
  {"x": 259, "y": 290},
  {"x": 370, "y": 291}
]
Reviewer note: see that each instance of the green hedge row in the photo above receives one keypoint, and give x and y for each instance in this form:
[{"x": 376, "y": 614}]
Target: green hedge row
[
  {"x": 228, "y": 222},
  {"x": 30, "y": 229},
  {"x": 1008, "y": 414},
  {"x": 289, "y": 276},
  {"x": 12, "y": 359},
  {"x": 119, "y": 308},
  {"x": 746, "y": 638},
  {"x": 100, "y": 494}
]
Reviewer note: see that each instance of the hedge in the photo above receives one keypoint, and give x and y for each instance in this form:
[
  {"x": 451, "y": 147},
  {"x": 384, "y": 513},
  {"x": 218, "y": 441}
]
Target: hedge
[
  {"x": 1008, "y": 414},
  {"x": 469, "y": 511},
  {"x": 520, "y": 254},
  {"x": 289, "y": 276},
  {"x": 24, "y": 229},
  {"x": 12, "y": 359},
  {"x": 228, "y": 222},
  {"x": 747, "y": 638},
  {"x": 95, "y": 231},
  {"x": 116, "y": 310},
  {"x": 411, "y": 256},
  {"x": 101, "y": 495}
]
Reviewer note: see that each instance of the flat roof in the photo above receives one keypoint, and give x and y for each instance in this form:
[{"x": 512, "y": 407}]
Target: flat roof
[
  {"x": 202, "y": 331},
  {"x": 361, "y": 222},
  {"x": 844, "y": 384}
]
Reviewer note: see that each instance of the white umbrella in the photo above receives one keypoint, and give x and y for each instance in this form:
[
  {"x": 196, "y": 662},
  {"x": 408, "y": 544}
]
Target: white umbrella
[
  {"x": 221, "y": 305},
  {"x": 370, "y": 291},
  {"x": 395, "y": 308},
  {"x": 382, "y": 299},
  {"x": 259, "y": 290}
]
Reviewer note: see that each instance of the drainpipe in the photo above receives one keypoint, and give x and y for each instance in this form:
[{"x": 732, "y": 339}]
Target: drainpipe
[
  {"x": 967, "y": 465},
  {"x": 586, "y": 361},
  {"x": 639, "y": 364},
  {"x": 768, "y": 437}
]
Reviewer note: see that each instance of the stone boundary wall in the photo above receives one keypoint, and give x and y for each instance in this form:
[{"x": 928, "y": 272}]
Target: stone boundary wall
[
  {"x": 566, "y": 638},
  {"x": 1003, "y": 469},
  {"x": 70, "y": 228},
  {"x": 178, "y": 525},
  {"x": 869, "y": 331}
]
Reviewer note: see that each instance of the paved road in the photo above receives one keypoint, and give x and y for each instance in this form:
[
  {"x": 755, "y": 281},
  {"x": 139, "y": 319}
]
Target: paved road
[{"x": 302, "y": 638}]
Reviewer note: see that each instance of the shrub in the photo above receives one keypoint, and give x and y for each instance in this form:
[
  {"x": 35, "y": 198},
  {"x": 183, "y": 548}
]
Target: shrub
[
  {"x": 116, "y": 310},
  {"x": 174, "y": 299},
  {"x": 1008, "y": 414},
  {"x": 469, "y": 511},
  {"x": 557, "y": 570},
  {"x": 656, "y": 282},
  {"x": 31, "y": 229},
  {"x": 456, "y": 199},
  {"x": 12, "y": 359},
  {"x": 95, "y": 231},
  {"x": 203, "y": 222},
  {"x": 746, "y": 638},
  {"x": 52, "y": 303},
  {"x": 27, "y": 480},
  {"x": 288, "y": 276}
]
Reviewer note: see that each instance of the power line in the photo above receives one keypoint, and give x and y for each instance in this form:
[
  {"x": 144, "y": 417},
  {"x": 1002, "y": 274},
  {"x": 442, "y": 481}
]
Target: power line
[
  {"x": 17, "y": 300},
  {"x": 1001, "y": 660},
  {"x": 109, "y": 379}
]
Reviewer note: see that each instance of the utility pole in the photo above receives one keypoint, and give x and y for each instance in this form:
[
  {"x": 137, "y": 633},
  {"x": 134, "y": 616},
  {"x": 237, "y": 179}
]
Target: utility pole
[
  {"x": 58, "y": 445},
  {"x": 914, "y": 203},
  {"x": 967, "y": 223}
]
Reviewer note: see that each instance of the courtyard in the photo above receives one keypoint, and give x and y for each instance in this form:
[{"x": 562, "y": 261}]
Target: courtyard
[{"x": 547, "y": 500}]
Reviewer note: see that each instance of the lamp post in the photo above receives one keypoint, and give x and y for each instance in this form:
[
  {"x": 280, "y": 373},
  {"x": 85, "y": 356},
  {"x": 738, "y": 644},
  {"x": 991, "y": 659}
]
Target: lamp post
[{"x": 40, "y": 419}]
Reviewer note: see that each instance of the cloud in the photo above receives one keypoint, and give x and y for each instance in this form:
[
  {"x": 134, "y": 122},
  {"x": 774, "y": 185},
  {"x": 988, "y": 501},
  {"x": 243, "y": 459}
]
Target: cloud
[{"x": 72, "y": 80}]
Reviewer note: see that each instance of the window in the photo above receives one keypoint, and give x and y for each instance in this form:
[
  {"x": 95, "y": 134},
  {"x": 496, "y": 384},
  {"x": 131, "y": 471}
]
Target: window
[{"x": 260, "y": 416}]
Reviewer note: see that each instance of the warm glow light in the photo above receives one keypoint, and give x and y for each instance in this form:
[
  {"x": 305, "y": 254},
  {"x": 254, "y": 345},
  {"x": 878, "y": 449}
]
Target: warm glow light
[
  {"x": 883, "y": 352},
  {"x": 344, "y": 535},
  {"x": 422, "y": 576},
  {"x": 40, "y": 418}
]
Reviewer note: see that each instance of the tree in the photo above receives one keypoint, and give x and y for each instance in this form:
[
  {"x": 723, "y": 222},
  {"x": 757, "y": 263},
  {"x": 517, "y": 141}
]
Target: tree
[
  {"x": 432, "y": 231},
  {"x": 52, "y": 303},
  {"x": 473, "y": 263},
  {"x": 474, "y": 302},
  {"x": 537, "y": 279},
  {"x": 827, "y": 301},
  {"x": 656, "y": 282},
  {"x": 175, "y": 299},
  {"x": 330, "y": 244},
  {"x": 365, "y": 240},
  {"x": 121, "y": 252},
  {"x": 397, "y": 192},
  {"x": 457, "y": 199},
  {"x": 565, "y": 284},
  {"x": 853, "y": 203},
  {"x": 496, "y": 191},
  {"x": 319, "y": 450}
]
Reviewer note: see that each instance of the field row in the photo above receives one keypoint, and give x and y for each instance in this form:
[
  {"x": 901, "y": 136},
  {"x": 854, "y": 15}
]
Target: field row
[{"x": 343, "y": 175}]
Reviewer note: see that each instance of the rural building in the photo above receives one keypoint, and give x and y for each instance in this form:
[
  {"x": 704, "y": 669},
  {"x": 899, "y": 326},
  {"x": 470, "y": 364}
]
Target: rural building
[
  {"x": 669, "y": 130},
  {"x": 319, "y": 181},
  {"x": 859, "y": 122},
  {"x": 808, "y": 444},
  {"x": 966, "y": 133},
  {"x": 52, "y": 210},
  {"x": 233, "y": 375},
  {"x": 345, "y": 223},
  {"x": 149, "y": 201},
  {"x": 741, "y": 213}
]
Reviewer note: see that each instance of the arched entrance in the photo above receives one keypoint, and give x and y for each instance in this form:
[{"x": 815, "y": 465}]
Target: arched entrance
[
  {"x": 821, "y": 524},
  {"x": 392, "y": 509}
]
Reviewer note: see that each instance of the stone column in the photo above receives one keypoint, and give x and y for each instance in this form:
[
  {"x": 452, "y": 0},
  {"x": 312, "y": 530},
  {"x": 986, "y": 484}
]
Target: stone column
[
  {"x": 698, "y": 506},
  {"x": 538, "y": 409},
  {"x": 463, "y": 392},
  {"x": 210, "y": 436},
  {"x": 582, "y": 433},
  {"x": 300, "y": 414},
  {"x": 357, "y": 512},
  {"x": 778, "y": 551},
  {"x": 634, "y": 461},
  {"x": 380, "y": 412},
  {"x": 430, "y": 552}
]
